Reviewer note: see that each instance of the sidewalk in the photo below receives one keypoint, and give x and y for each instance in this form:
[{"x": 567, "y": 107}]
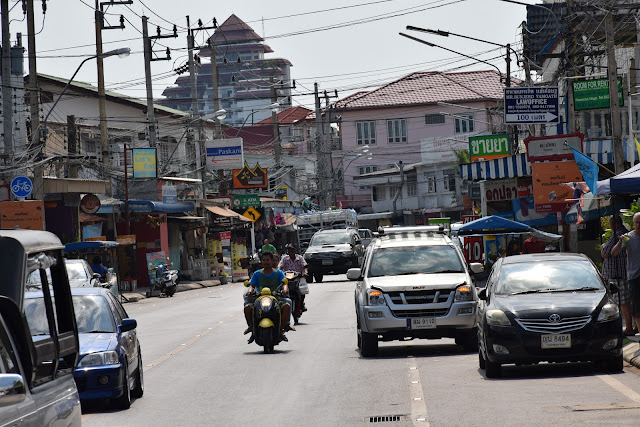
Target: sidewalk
[
  {"x": 183, "y": 285},
  {"x": 631, "y": 351}
]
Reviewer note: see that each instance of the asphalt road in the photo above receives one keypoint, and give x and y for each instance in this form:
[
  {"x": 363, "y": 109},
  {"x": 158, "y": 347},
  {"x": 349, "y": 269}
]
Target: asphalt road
[{"x": 199, "y": 370}]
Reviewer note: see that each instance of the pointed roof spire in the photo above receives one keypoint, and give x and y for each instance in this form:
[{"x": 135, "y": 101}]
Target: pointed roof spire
[{"x": 234, "y": 30}]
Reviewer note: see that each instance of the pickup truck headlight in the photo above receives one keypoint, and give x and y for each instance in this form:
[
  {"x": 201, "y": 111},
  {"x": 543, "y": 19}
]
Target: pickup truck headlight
[
  {"x": 101, "y": 358},
  {"x": 463, "y": 293},
  {"x": 375, "y": 297},
  {"x": 497, "y": 318},
  {"x": 609, "y": 312}
]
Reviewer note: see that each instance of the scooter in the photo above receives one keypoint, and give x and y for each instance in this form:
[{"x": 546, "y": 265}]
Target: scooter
[
  {"x": 294, "y": 278},
  {"x": 166, "y": 280},
  {"x": 266, "y": 320}
]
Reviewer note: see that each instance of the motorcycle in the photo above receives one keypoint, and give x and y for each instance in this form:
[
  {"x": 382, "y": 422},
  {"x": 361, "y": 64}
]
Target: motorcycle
[
  {"x": 294, "y": 278},
  {"x": 166, "y": 280},
  {"x": 266, "y": 319}
]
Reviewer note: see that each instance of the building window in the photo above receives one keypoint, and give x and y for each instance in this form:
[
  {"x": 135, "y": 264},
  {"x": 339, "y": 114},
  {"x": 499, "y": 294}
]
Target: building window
[
  {"x": 431, "y": 183},
  {"x": 366, "y": 169},
  {"x": 464, "y": 123},
  {"x": 433, "y": 119},
  {"x": 163, "y": 153},
  {"x": 449, "y": 183},
  {"x": 412, "y": 189},
  {"x": 366, "y": 133},
  {"x": 90, "y": 147},
  {"x": 397, "y": 130},
  {"x": 379, "y": 193}
]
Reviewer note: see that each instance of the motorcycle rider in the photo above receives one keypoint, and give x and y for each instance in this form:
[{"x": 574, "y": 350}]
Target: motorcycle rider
[
  {"x": 270, "y": 278},
  {"x": 292, "y": 261}
]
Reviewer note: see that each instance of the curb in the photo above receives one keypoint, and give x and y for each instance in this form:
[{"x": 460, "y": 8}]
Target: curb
[
  {"x": 631, "y": 352},
  {"x": 184, "y": 286}
]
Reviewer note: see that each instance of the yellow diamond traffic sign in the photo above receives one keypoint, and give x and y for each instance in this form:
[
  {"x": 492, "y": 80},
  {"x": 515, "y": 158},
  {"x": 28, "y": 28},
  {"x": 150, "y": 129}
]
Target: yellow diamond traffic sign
[{"x": 252, "y": 214}]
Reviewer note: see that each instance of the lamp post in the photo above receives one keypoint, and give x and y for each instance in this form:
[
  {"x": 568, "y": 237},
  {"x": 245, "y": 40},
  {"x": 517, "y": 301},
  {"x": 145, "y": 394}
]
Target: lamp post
[
  {"x": 343, "y": 168},
  {"x": 121, "y": 52}
]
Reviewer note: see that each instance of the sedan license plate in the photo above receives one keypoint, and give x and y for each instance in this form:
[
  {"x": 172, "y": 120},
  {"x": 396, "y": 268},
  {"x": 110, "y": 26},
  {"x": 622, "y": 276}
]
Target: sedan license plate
[
  {"x": 421, "y": 323},
  {"x": 555, "y": 341},
  {"x": 327, "y": 262}
]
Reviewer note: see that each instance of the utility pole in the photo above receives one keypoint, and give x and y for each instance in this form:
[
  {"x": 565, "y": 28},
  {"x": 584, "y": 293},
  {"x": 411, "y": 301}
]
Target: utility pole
[
  {"x": 194, "y": 107},
  {"x": 7, "y": 109},
  {"x": 321, "y": 167},
  {"x": 34, "y": 102},
  {"x": 612, "y": 74},
  {"x": 277, "y": 148},
  {"x": 328, "y": 145},
  {"x": 72, "y": 146}
]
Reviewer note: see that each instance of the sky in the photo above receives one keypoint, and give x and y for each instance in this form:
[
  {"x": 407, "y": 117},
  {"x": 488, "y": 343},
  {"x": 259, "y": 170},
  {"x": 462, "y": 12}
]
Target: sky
[{"x": 344, "y": 45}]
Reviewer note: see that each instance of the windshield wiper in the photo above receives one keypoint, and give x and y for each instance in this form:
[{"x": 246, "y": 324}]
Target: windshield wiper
[
  {"x": 584, "y": 288},
  {"x": 96, "y": 332},
  {"x": 446, "y": 271},
  {"x": 537, "y": 291}
]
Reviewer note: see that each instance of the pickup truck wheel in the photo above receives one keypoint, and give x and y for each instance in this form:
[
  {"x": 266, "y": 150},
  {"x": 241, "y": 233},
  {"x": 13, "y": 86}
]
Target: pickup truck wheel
[{"x": 368, "y": 344}]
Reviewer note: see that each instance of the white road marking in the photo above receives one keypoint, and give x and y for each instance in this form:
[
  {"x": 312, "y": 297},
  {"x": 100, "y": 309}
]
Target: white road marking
[
  {"x": 618, "y": 386},
  {"x": 418, "y": 406}
]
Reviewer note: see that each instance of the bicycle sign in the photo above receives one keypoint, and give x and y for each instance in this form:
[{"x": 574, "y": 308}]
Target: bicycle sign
[{"x": 21, "y": 186}]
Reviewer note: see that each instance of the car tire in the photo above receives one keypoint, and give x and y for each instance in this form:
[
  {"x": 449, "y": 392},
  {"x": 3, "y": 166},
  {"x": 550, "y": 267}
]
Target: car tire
[
  {"x": 493, "y": 369},
  {"x": 481, "y": 362},
  {"x": 468, "y": 341},
  {"x": 318, "y": 277},
  {"x": 614, "y": 365},
  {"x": 138, "y": 391},
  {"x": 124, "y": 401},
  {"x": 368, "y": 344}
]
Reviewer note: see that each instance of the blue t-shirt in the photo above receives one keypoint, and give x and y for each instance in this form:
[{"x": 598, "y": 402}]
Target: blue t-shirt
[
  {"x": 255, "y": 279},
  {"x": 98, "y": 268}
]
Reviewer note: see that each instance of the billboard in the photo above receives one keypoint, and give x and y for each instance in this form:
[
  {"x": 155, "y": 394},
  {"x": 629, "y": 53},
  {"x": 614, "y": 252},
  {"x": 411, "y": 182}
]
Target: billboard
[
  {"x": 548, "y": 192},
  {"x": 144, "y": 163},
  {"x": 489, "y": 147},
  {"x": 592, "y": 94},
  {"x": 224, "y": 154},
  {"x": 250, "y": 178}
]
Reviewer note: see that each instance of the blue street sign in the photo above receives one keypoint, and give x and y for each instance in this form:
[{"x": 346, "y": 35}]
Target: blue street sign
[
  {"x": 21, "y": 186},
  {"x": 531, "y": 105}
]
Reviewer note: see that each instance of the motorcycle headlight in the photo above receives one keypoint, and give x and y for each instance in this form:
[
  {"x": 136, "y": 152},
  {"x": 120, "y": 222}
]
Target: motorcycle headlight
[
  {"x": 609, "y": 312},
  {"x": 497, "y": 318},
  {"x": 289, "y": 276},
  {"x": 463, "y": 293},
  {"x": 265, "y": 303},
  {"x": 375, "y": 297},
  {"x": 101, "y": 358}
]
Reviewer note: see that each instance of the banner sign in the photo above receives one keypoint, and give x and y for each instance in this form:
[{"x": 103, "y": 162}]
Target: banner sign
[
  {"x": 553, "y": 147},
  {"x": 250, "y": 178},
  {"x": 548, "y": 192},
  {"x": 26, "y": 215},
  {"x": 154, "y": 259},
  {"x": 489, "y": 147},
  {"x": 244, "y": 201},
  {"x": 592, "y": 94},
  {"x": 473, "y": 249},
  {"x": 239, "y": 258},
  {"x": 224, "y": 154},
  {"x": 530, "y": 105},
  {"x": 169, "y": 194},
  {"x": 144, "y": 163}
]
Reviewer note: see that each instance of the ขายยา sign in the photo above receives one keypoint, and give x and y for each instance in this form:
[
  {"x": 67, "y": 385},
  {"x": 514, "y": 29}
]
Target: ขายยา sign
[
  {"x": 489, "y": 147},
  {"x": 549, "y": 194}
]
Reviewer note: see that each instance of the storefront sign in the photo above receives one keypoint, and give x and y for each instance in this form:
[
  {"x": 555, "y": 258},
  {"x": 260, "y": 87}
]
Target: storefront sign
[
  {"x": 90, "y": 203},
  {"x": 144, "y": 163},
  {"x": 557, "y": 147},
  {"x": 250, "y": 178},
  {"x": 239, "y": 259},
  {"x": 26, "y": 215},
  {"x": 489, "y": 147},
  {"x": 592, "y": 94},
  {"x": 169, "y": 194},
  {"x": 442, "y": 149},
  {"x": 473, "y": 249},
  {"x": 244, "y": 201},
  {"x": 126, "y": 239},
  {"x": 224, "y": 154},
  {"x": 548, "y": 192},
  {"x": 501, "y": 189},
  {"x": 530, "y": 105},
  {"x": 225, "y": 237}
]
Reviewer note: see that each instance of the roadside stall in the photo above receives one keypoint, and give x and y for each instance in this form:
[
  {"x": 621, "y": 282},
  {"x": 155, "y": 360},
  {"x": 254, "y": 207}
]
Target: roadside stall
[{"x": 106, "y": 250}]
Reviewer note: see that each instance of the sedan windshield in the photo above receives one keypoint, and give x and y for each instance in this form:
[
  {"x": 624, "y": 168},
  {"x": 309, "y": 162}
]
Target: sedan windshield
[
  {"x": 415, "y": 260},
  {"x": 92, "y": 315},
  {"x": 551, "y": 276},
  {"x": 330, "y": 239}
]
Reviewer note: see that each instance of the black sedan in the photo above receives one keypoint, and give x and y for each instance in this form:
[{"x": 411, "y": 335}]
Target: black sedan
[{"x": 551, "y": 307}]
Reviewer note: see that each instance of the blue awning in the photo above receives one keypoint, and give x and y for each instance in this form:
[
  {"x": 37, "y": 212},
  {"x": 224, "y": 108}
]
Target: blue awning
[
  {"x": 79, "y": 246},
  {"x": 149, "y": 206},
  {"x": 490, "y": 225},
  {"x": 504, "y": 167}
]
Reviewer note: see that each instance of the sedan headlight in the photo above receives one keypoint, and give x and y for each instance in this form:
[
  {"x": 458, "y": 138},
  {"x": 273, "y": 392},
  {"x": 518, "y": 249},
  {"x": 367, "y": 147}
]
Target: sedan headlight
[
  {"x": 375, "y": 297},
  {"x": 497, "y": 318},
  {"x": 101, "y": 358},
  {"x": 463, "y": 293},
  {"x": 608, "y": 312}
]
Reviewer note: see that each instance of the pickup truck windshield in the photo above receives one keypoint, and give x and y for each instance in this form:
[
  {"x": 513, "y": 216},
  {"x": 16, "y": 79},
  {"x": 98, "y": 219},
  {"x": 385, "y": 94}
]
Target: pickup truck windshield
[
  {"x": 415, "y": 260},
  {"x": 330, "y": 239}
]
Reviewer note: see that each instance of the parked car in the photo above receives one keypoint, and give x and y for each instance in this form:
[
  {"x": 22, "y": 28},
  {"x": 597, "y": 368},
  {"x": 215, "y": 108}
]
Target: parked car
[
  {"x": 110, "y": 362},
  {"x": 551, "y": 307},
  {"x": 79, "y": 273},
  {"x": 36, "y": 381},
  {"x": 333, "y": 251},
  {"x": 366, "y": 236},
  {"x": 414, "y": 283}
]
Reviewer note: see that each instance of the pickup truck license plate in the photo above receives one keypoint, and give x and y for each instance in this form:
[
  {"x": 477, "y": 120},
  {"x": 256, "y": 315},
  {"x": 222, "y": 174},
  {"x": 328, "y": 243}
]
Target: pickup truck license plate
[
  {"x": 421, "y": 323},
  {"x": 327, "y": 262},
  {"x": 555, "y": 341}
]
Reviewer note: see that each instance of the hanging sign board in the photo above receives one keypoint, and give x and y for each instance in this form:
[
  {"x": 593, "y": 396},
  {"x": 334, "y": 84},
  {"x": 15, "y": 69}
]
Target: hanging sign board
[
  {"x": 26, "y": 215},
  {"x": 549, "y": 193},
  {"x": 592, "y": 94},
  {"x": 250, "y": 178},
  {"x": 224, "y": 154},
  {"x": 489, "y": 147},
  {"x": 530, "y": 105},
  {"x": 556, "y": 147},
  {"x": 169, "y": 194},
  {"x": 243, "y": 201},
  {"x": 144, "y": 163}
]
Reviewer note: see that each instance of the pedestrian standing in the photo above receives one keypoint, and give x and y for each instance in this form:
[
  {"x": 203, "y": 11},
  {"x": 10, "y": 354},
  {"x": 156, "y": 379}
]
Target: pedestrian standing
[
  {"x": 532, "y": 245},
  {"x": 614, "y": 269},
  {"x": 631, "y": 242}
]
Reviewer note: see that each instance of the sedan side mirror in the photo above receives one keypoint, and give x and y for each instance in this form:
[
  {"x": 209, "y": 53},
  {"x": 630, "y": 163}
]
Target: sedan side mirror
[
  {"x": 482, "y": 294},
  {"x": 12, "y": 389},
  {"x": 354, "y": 274},
  {"x": 128, "y": 325}
]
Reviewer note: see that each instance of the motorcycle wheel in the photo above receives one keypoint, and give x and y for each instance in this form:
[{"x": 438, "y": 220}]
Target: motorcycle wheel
[
  {"x": 171, "y": 290},
  {"x": 267, "y": 340}
]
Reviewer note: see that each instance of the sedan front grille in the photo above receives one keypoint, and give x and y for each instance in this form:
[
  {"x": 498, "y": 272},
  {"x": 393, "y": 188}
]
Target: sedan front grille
[{"x": 545, "y": 326}]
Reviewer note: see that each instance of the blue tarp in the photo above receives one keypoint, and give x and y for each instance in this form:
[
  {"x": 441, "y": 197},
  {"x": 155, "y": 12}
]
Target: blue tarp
[
  {"x": 491, "y": 225},
  {"x": 627, "y": 182},
  {"x": 150, "y": 206},
  {"x": 80, "y": 246}
]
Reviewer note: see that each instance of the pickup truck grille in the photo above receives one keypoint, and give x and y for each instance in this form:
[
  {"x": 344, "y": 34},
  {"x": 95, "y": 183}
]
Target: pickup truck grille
[
  {"x": 420, "y": 297},
  {"x": 438, "y": 312}
]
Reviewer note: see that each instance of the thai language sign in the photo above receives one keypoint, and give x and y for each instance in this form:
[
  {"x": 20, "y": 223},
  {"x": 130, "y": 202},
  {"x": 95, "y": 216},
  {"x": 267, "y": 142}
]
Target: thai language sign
[
  {"x": 549, "y": 194},
  {"x": 26, "y": 215},
  {"x": 489, "y": 147},
  {"x": 224, "y": 154},
  {"x": 555, "y": 147},
  {"x": 144, "y": 163},
  {"x": 530, "y": 105},
  {"x": 591, "y": 94}
]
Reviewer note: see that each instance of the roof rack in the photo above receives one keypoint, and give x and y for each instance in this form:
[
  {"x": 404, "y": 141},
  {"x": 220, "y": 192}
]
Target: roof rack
[{"x": 440, "y": 229}]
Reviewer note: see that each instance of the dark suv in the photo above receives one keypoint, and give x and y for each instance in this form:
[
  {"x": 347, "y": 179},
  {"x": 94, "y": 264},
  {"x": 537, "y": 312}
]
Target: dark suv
[{"x": 333, "y": 251}]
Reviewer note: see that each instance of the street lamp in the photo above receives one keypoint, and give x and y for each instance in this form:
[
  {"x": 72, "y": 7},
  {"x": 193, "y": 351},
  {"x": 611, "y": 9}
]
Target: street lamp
[
  {"x": 121, "y": 52},
  {"x": 273, "y": 107}
]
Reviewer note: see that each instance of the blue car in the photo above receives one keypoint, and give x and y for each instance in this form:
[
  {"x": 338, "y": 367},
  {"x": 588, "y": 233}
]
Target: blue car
[{"x": 110, "y": 361}]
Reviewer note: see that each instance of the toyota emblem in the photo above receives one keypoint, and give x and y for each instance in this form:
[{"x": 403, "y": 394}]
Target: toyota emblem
[{"x": 554, "y": 318}]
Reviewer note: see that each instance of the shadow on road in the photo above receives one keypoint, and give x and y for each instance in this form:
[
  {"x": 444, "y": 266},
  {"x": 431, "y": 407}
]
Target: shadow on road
[{"x": 547, "y": 370}]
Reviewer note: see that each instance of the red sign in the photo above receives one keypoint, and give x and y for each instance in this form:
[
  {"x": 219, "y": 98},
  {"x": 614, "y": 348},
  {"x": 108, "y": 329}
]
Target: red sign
[
  {"x": 556, "y": 147},
  {"x": 473, "y": 248},
  {"x": 90, "y": 203}
]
